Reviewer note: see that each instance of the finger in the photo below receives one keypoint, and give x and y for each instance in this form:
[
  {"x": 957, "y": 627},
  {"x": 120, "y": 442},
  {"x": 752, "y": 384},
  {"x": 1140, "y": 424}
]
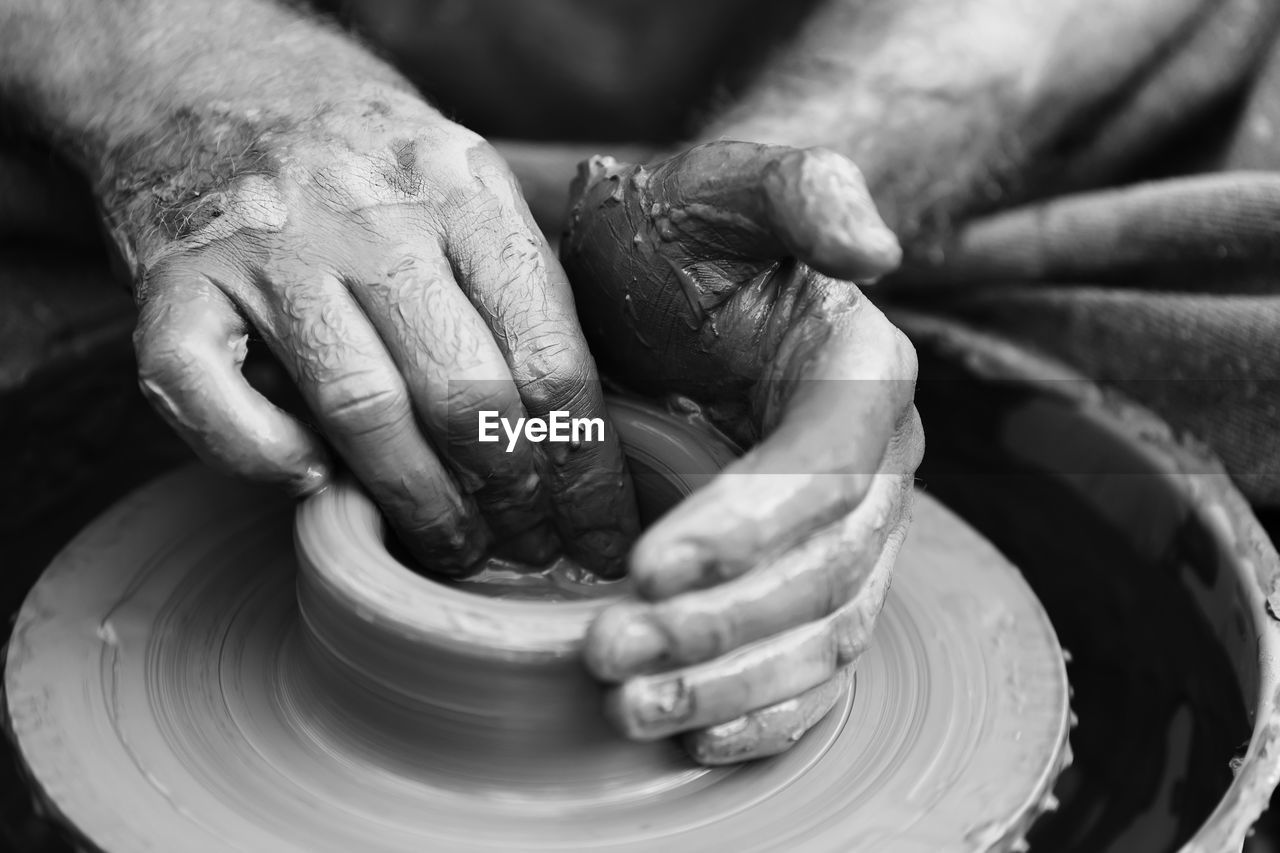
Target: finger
[
  {"x": 362, "y": 405},
  {"x": 455, "y": 371},
  {"x": 648, "y": 707},
  {"x": 191, "y": 343},
  {"x": 802, "y": 586},
  {"x": 767, "y": 201},
  {"x": 770, "y": 730},
  {"x": 815, "y": 465},
  {"x": 521, "y": 292}
]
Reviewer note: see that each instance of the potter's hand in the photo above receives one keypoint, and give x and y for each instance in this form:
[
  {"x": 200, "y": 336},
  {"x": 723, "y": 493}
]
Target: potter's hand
[
  {"x": 386, "y": 257},
  {"x": 715, "y": 274}
]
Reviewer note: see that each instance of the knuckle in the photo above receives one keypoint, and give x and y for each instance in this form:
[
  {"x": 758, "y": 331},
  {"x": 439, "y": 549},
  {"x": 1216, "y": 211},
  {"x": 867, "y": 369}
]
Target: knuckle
[
  {"x": 846, "y": 649},
  {"x": 849, "y": 488},
  {"x": 738, "y": 740},
  {"x": 521, "y": 256},
  {"x": 487, "y": 178},
  {"x": 696, "y": 633},
  {"x": 483, "y": 155},
  {"x": 906, "y": 447},
  {"x": 361, "y": 402},
  {"x": 475, "y": 144},
  {"x": 908, "y": 362},
  {"x": 556, "y": 378},
  {"x": 850, "y": 629},
  {"x": 911, "y": 436},
  {"x": 790, "y": 724},
  {"x": 834, "y": 584},
  {"x": 165, "y": 360},
  {"x": 512, "y": 489},
  {"x": 463, "y": 399}
]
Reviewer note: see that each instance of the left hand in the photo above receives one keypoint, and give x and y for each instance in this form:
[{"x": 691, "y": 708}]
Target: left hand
[
  {"x": 385, "y": 256},
  {"x": 717, "y": 274}
]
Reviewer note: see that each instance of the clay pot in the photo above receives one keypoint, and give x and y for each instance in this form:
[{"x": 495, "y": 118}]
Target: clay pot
[{"x": 452, "y": 673}]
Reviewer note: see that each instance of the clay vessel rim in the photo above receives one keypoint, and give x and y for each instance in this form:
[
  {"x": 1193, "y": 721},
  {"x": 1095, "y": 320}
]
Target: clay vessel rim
[
  {"x": 340, "y": 547},
  {"x": 340, "y": 541}
]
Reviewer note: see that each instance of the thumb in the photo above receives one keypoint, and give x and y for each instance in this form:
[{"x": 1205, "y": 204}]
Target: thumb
[
  {"x": 768, "y": 201},
  {"x": 190, "y": 343}
]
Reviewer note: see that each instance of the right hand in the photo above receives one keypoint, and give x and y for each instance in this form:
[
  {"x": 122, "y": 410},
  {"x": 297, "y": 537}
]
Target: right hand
[
  {"x": 386, "y": 257},
  {"x": 726, "y": 273}
]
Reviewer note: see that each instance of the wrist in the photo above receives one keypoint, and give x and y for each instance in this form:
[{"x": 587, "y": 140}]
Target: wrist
[
  {"x": 182, "y": 114},
  {"x": 103, "y": 81},
  {"x": 212, "y": 171}
]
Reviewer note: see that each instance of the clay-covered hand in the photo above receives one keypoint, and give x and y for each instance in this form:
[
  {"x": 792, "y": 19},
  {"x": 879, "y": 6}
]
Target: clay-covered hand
[
  {"x": 386, "y": 257},
  {"x": 726, "y": 274}
]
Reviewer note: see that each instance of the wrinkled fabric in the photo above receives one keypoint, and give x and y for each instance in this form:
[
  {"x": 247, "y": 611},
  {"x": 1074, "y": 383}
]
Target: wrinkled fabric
[{"x": 1168, "y": 289}]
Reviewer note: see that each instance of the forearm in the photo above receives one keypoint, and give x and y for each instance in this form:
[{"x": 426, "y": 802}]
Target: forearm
[
  {"x": 159, "y": 101},
  {"x": 954, "y": 107},
  {"x": 92, "y": 72}
]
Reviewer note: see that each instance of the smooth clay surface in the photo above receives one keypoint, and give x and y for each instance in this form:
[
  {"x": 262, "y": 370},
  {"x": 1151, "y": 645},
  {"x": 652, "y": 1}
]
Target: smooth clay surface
[{"x": 165, "y": 695}]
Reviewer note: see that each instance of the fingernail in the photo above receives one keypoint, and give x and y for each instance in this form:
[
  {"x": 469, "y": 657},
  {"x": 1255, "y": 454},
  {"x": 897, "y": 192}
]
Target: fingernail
[
  {"x": 728, "y": 743},
  {"x": 662, "y": 573},
  {"x": 729, "y": 729},
  {"x": 638, "y": 647},
  {"x": 312, "y": 481},
  {"x": 657, "y": 709},
  {"x": 602, "y": 552}
]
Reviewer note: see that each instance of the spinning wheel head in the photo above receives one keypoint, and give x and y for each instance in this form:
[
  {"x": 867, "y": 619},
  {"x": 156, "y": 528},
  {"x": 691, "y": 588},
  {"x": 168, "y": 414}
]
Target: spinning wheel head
[{"x": 178, "y": 680}]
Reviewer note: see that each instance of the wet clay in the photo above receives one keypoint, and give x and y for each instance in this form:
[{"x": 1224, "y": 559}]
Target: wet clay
[
  {"x": 175, "y": 681},
  {"x": 687, "y": 275}
]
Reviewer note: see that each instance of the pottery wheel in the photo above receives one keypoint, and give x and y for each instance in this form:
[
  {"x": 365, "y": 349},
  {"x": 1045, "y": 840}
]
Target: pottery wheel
[{"x": 158, "y": 690}]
